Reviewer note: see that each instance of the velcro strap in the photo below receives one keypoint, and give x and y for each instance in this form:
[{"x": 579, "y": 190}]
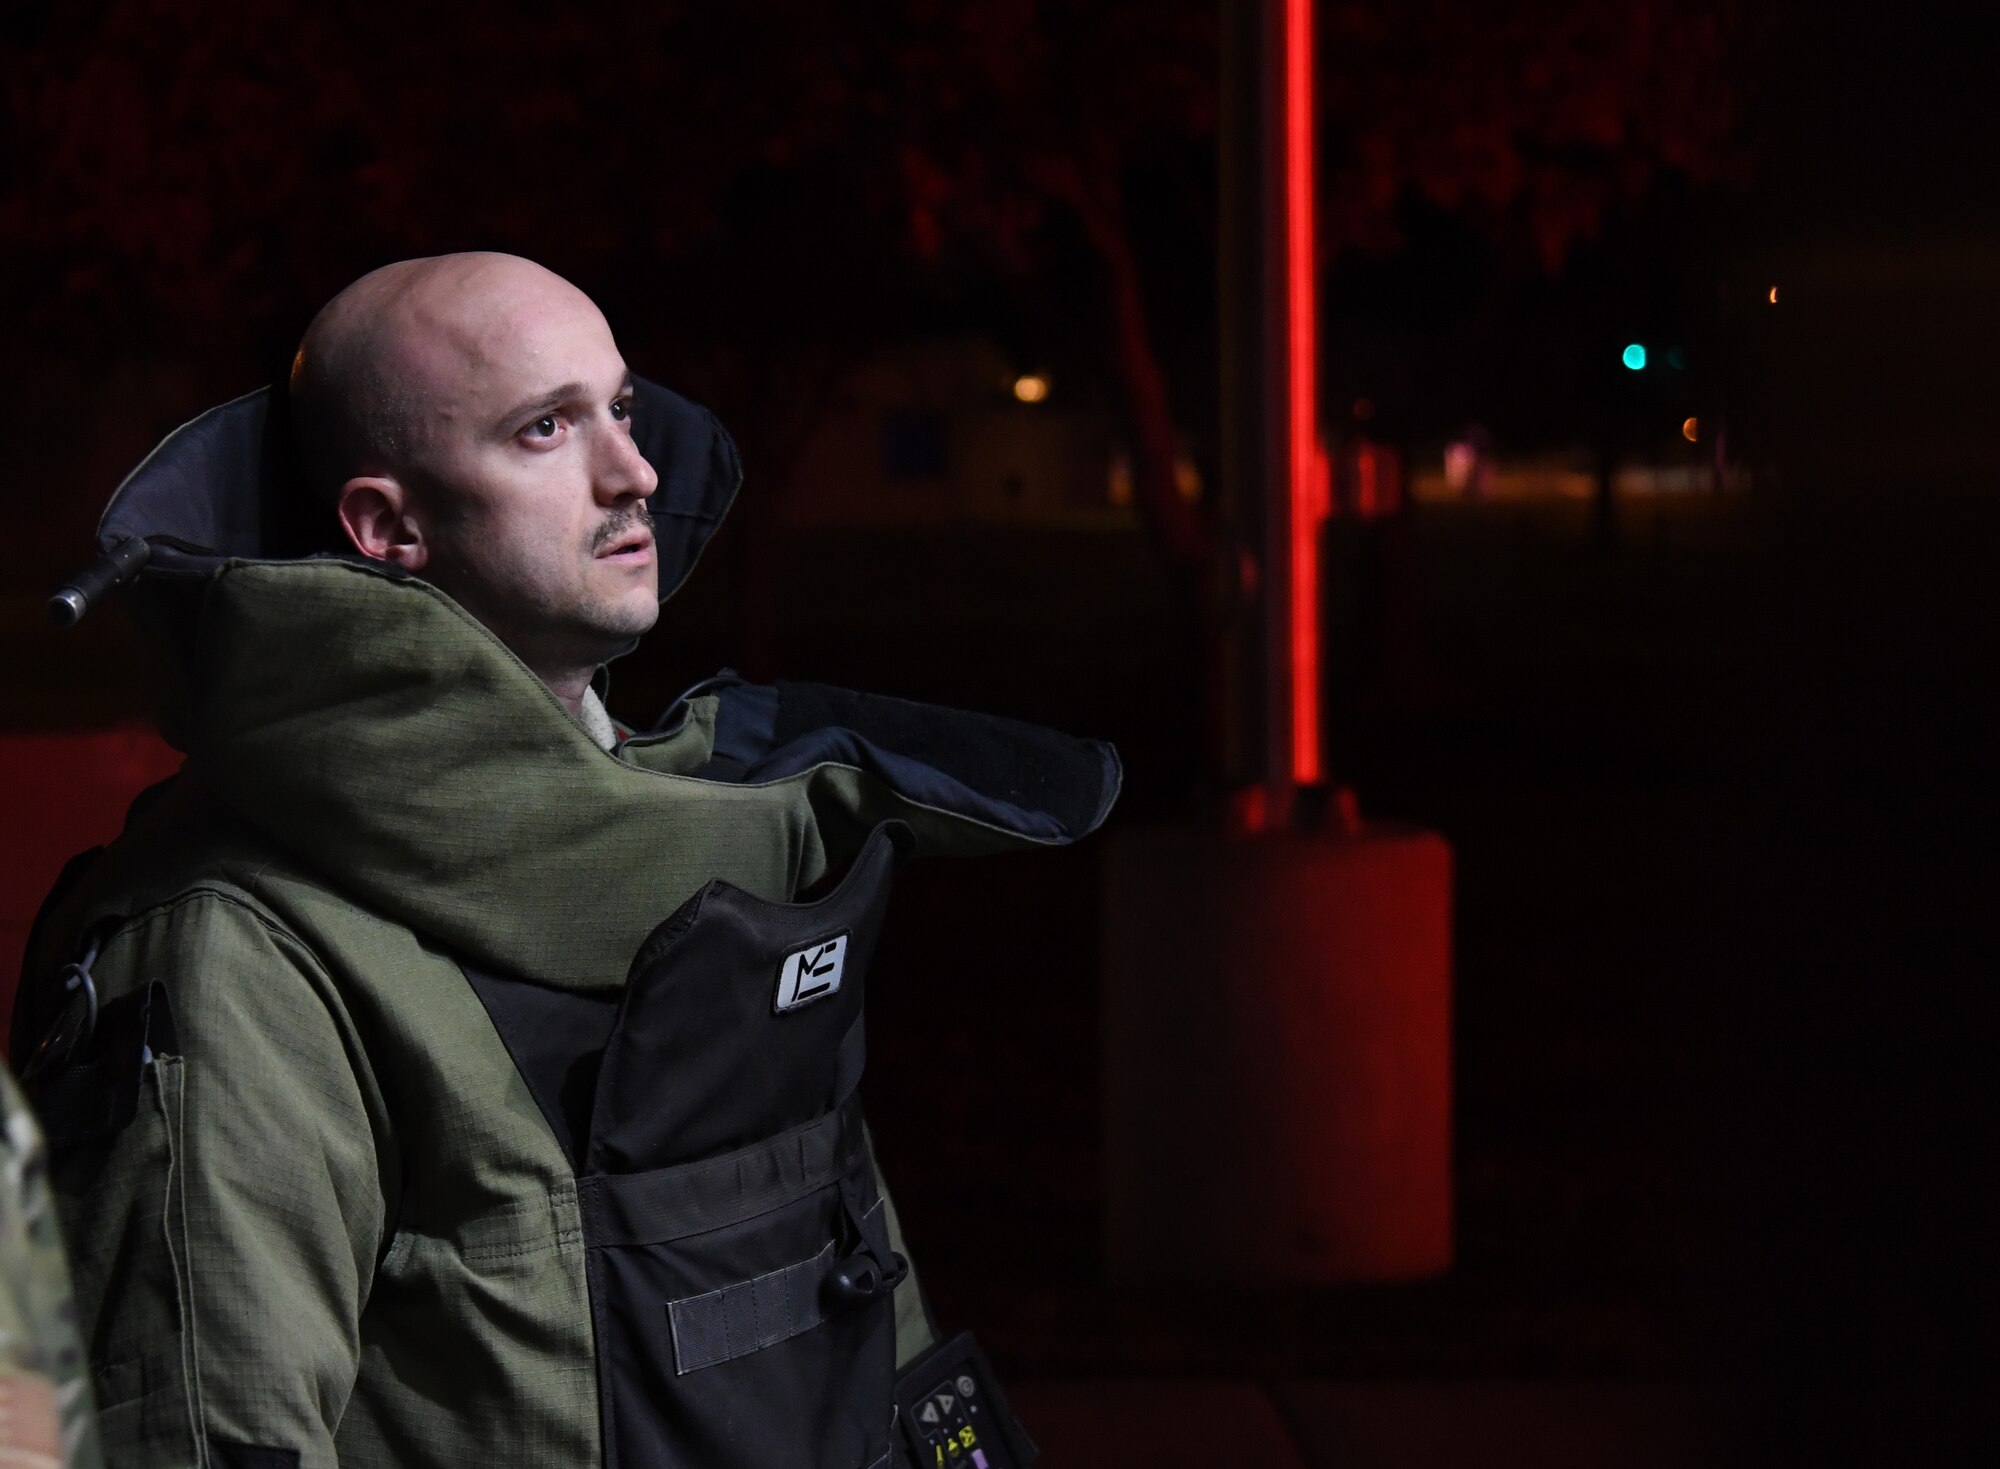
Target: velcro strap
[{"x": 750, "y": 1315}]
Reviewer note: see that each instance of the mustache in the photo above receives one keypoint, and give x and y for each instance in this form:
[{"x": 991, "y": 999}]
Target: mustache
[{"x": 618, "y": 524}]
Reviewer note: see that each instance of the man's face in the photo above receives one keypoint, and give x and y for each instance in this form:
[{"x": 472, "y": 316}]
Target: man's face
[{"x": 528, "y": 477}]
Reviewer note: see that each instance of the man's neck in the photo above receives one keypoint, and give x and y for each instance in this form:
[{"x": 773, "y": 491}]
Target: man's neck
[
  {"x": 569, "y": 687},
  {"x": 586, "y": 708}
]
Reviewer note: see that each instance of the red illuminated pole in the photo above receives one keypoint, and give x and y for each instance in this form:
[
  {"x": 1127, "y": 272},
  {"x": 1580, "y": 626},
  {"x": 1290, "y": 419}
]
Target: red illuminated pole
[
  {"x": 1274, "y": 467},
  {"x": 1311, "y": 992},
  {"x": 1305, "y": 463},
  {"x": 1287, "y": 469}
]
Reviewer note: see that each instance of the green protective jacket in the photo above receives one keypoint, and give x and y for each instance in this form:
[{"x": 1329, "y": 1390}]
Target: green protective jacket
[{"x": 312, "y": 1205}]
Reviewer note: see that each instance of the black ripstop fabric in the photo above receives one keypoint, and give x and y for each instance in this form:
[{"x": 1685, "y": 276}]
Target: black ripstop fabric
[
  {"x": 723, "y": 1175},
  {"x": 1017, "y": 777},
  {"x": 556, "y": 1039},
  {"x": 700, "y": 1062},
  {"x": 1025, "y": 765}
]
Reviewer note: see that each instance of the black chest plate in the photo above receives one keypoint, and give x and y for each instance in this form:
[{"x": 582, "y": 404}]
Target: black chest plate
[{"x": 738, "y": 1258}]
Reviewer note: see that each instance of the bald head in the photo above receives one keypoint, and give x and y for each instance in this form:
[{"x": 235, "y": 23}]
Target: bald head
[
  {"x": 469, "y": 418},
  {"x": 387, "y": 362}
]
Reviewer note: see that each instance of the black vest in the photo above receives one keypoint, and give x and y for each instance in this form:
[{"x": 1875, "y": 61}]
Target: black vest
[{"x": 738, "y": 1258}]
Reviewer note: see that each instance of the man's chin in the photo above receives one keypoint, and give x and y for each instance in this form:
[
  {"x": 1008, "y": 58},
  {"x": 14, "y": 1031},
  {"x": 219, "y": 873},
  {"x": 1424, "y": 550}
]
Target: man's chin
[
  {"x": 622, "y": 626},
  {"x": 629, "y": 592}
]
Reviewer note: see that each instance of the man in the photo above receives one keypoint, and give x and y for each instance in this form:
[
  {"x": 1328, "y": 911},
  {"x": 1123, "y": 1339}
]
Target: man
[{"x": 449, "y": 1079}]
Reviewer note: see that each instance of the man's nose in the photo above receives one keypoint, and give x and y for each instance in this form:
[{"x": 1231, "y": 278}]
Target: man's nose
[{"x": 622, "y": 471}]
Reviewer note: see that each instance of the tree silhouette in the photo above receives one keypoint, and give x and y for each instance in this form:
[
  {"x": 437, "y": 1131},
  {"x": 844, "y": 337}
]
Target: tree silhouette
[{"x": 777, "y": 179}]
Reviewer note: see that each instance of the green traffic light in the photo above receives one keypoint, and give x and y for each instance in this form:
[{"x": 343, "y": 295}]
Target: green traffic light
[{"x": 1635, "y": 356}]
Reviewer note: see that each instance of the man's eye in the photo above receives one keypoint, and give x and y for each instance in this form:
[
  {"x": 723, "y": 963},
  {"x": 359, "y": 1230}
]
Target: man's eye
[
  {"x": 621, "y": 409},
  {"x": 544, "y": 427}
]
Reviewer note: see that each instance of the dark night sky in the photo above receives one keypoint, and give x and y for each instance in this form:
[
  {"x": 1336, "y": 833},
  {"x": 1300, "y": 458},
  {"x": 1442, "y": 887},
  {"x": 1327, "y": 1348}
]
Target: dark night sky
[{"x": 1882, "y": 120}]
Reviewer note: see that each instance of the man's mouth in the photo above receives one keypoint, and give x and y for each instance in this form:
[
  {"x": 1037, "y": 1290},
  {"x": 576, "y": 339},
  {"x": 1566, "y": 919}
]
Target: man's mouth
[{"x": 632, "y": 544}]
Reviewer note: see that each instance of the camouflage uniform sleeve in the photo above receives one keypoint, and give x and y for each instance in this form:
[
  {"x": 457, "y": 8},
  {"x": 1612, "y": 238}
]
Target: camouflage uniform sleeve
[
  {"x": 46, "y": 1416},
  {"x": 224, "y": 1237}
]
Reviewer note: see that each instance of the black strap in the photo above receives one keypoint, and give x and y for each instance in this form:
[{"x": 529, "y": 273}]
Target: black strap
[
  {"x": 722, "y": 1325},
  {"x": 748, "y": 1316},
  {"x": 626, "y": 1209}
]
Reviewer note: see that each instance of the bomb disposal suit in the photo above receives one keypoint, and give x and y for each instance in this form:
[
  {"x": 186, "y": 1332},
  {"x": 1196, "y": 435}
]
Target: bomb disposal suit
[{"x": 429, "y": 1085}]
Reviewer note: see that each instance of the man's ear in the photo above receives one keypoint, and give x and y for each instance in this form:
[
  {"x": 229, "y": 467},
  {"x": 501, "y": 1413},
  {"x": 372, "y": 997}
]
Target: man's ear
[{"x": 375, "y": 512}]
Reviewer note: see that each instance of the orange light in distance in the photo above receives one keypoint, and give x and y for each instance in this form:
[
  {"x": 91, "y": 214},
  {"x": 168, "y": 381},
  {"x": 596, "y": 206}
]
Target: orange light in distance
[
  {"x": 1031, "y": 387},
  {"x": 1691, "y": 430},
  {"x": 1307, "y": 462},
  {"x": 1773, "y": 296}
]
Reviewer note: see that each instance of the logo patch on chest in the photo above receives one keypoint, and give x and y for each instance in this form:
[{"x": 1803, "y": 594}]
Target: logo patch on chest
[{"x": 811, "y": 973}]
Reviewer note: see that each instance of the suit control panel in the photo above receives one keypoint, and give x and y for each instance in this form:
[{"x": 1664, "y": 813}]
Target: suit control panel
[{"x": 953, "y": 1415}]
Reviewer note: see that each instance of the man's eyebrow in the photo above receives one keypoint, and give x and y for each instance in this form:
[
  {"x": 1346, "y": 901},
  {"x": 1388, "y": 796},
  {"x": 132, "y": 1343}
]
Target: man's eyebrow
[
  {"x": 535, "y": 407},
  {"x": 541, "y": 403}
]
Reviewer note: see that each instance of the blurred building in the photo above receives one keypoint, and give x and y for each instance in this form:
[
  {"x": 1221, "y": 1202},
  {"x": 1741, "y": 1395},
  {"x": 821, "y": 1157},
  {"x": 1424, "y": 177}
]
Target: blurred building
[{"x": 951, "y": 432}]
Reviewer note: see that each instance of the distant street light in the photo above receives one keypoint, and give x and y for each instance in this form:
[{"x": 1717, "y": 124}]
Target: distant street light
[
  {"x": 1772, "y": 297},
  {"x": 1691, "y": 430},
  {"x": 1635, "y": 356},
  {"x": 1031, "y": 387}
]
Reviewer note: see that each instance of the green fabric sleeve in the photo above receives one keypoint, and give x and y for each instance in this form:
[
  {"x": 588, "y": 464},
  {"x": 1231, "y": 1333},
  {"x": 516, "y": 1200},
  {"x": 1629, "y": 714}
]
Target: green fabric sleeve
[{"x": 224, "y": 1240}]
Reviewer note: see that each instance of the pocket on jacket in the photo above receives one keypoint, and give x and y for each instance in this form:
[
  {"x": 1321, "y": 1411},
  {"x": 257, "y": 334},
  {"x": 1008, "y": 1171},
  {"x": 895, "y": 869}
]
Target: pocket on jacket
[{"x": 726, "y": 1347}]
